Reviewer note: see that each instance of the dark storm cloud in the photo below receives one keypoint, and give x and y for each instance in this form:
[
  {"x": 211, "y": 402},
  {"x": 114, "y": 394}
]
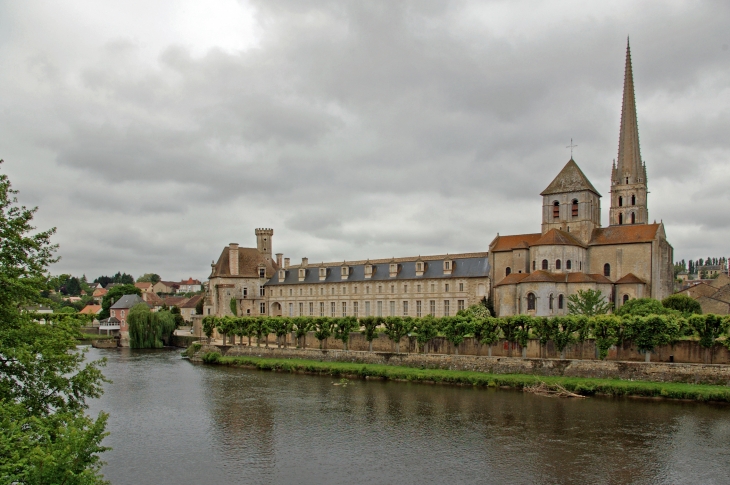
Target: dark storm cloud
[{"x": 354, "y": 129}]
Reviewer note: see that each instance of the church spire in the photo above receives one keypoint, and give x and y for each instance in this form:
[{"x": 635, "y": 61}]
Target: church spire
[{"x": 629, "y": 155}]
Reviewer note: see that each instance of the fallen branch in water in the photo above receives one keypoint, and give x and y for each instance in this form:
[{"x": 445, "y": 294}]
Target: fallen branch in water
[{"x": 550, "y": 390}]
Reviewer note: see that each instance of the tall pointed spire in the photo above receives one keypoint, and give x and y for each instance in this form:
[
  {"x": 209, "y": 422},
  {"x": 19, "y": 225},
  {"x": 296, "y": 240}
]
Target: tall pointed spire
[{"x": 629, "y": 155}]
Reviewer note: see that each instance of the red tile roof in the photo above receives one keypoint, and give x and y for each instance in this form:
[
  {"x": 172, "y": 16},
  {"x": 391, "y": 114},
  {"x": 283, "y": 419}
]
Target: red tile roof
[
  {"x": 541, "y": 276},
  {"x": 508, "y": 243},
  {"x": 630, "y": 278},
  {"x": 626, "y": 234},
  {"x": 192, "y": 302},
  {"x": 91, "y": 309},
  {"x": 512, "y": 279},
  {"x": 556, "y": 237}
]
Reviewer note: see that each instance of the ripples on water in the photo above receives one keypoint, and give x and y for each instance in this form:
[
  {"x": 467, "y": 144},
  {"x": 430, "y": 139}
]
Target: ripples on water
[{"x": 173, "y": 422}]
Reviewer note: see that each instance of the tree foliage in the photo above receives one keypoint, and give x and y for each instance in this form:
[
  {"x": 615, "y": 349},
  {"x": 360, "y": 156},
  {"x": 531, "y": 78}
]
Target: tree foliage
[
  {"x": 642, "y": 307},
  {"x": 149, "y": 278},
  {"x": 45, "y": 436},
  {"x": 683, "y": 304},
  {"x": 113, "y": 296},
  {"x": 588, "y": 302},
  {"x": 149, "y": 330}
]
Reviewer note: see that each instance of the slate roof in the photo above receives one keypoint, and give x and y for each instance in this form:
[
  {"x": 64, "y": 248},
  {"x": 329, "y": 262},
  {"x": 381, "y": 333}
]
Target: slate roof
[
  {"x": 570, "y": 179},
  {"x": 625, "y": 234},
  {"x": 541, "y": 276},
  {"x": 127, "y": 301},
  {"x": 463, "y": 267},
  {"x": 248, "y": 264},
  {"x": 556, "y": 237}
]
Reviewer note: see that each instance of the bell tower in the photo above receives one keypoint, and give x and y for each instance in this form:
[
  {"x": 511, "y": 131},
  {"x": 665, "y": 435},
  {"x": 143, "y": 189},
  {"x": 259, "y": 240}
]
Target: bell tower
[
  {"x": 263, "y": 241},
  {"x": 628, "y": 176}
]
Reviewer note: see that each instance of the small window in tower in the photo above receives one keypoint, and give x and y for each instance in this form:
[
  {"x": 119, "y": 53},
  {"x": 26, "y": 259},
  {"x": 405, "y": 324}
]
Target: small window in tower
[
  {"x": 627, "y": 180},
  {"x": 550, "y": 302},
  {"x": 530, "y": 301},
  {"x": 560, "y": 302},
  {"x": 544, "y": 264},
  {"x": 620, "y": 219},
  {"x": 633, "y": 200},
  {"x": 558, "y": 264},
  {"x": 569, "y": 264},
  {"x": 620, "y": 201},
  {"x": 606, "y": 269},
  {"x": 626, "y": 298},
  {"x": 633, "y": 218},
  {"x": 556, "y": 210},
  {"x": 507, "y": 271},
  {"x": 574, "y": 208},
  {"x": 534, "y": 265}
]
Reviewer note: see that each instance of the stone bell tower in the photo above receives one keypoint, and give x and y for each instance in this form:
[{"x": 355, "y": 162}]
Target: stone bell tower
[
  {"x": 628, "y": 177},
  {"x": 264, "y": 241}
]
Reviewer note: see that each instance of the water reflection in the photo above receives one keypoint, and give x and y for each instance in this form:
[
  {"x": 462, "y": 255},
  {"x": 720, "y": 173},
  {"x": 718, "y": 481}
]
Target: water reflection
[{"x": 221, "y": 425}]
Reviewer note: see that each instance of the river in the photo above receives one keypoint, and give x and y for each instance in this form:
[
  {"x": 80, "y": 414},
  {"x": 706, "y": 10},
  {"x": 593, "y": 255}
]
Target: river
[{"x": 173, "y": 422}]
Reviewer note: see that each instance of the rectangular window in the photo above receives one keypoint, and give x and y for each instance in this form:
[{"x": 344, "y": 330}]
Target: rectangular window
[
  {"x": 321, "y": 308},
  {"x": 446, "y": 287},
  {"x": 262, "y": 273},
  {"x": 262, "y": 308},
  {"x": 461, "y": 286},
  {"x": 418, "y": 289},
  {"x": 344, "y": 290},
  {"x": 300, "y": 291},
  {"x": 380, "y": 288},
  {"x": 367, "y": 290},
  {"x": 392, "y": 308},
  {"x": 405, "y": 288},
  {"x": 460, "y": 304},
  {"x": 405, "y": 308},
  {"x": 245, "y": 292},
  {"x": 433, "y": 288},
  {"x": 355, "y": 290},
  {"x": 380, "y": 309},
  {"x": 392, "y": 288},
  {"x": 446, "y": 308},
  {"x": 291, "y": 309},
  {"x": 122, "y": 313},
  {"x": 432, "y": 308},
  {"x": 310, "y": 291},
  {"x": 114, "y": 313},
  {"x": 262, "y": 291},
  {"x": 333, "y": 309},
  {"x": 355, "y": 309},
  {"x": 321, "y": 291},
  {"x": 301, "y": 309},
  {"x": 311, "y": 309},
  {"x": 333, "y": 290},
  {"x": 344, "y": 308},
  {"x": 281, "y": 292},
  {"x": 290, "y": 292},
  {"x": 418, "y": 308},
  {"x": 367, "y": 308}
]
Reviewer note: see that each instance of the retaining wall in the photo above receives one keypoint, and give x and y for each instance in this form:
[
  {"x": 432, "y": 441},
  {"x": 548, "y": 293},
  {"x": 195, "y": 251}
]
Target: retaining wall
[{"x": 645, "y": 371}]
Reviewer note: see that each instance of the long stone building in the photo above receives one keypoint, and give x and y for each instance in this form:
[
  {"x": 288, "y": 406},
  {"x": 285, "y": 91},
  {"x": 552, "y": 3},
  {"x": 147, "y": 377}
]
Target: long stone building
[{"x": 526, "y": 273}]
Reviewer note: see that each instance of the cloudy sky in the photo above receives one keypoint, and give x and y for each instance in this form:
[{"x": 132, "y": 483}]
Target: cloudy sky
[{"x": 151, "y": 134}]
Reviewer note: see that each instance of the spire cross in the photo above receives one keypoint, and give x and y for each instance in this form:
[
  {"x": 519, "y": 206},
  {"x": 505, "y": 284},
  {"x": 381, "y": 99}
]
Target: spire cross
[{"x": 571, "y": 146}]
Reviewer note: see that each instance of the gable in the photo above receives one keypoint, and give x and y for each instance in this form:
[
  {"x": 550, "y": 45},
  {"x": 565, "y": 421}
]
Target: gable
[{"x": 570, "y": 179}]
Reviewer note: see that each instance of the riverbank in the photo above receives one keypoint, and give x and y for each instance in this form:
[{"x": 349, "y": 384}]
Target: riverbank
[{"x": 578, "y": 385}]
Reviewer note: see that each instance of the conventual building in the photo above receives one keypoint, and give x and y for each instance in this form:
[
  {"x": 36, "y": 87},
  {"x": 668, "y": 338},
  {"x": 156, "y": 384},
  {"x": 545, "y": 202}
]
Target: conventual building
[{"x": 524, "y": 274}]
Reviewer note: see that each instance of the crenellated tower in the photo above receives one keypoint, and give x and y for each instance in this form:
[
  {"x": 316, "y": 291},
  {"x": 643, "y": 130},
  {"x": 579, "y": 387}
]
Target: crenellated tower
[{"x": 628, "y": 176}]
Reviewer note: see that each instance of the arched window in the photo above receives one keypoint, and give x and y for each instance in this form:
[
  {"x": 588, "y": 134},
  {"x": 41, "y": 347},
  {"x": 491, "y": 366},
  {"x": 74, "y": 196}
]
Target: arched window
[
  {"x": 530, "y": 301},
  {"x": 626, "y": 298},
  {"x": 550, "y": 302},
  {"x": 620, "y": 219},
  {"x": 633, "y": 200},
  {"x": 568, "y": 264},
  {"x": 580, "y": 265},
  {"x": 560, "y": 302},
  {"x": 633, "y": 218},
  {"x": 508, "y": 271},
  {"x": 574, "y": 208},
  {"x": 544, "y": 264},
  {"x": 534, "y": 265},
  {"x": 558, "y": 264},
  {"x": 620, "y": 201},
  {"x": 556, "y": 210},
  {"x": 606, "y": 269}
]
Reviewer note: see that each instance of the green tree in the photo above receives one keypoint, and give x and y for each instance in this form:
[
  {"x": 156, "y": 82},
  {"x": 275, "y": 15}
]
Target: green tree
[
  {"x": 487, "y": 331},
  {"x": 177, "y": 316},
  {"x": 281, "y": 326},
  {"x": 114, "y": 294},
  {"x": 708, "y": 328},
  {"x": 543, "y": 328},
  {"x": 148, "y": 330},
  {"x": 370, "y": 329},
  {"x": 396, "y": 328},
  {"x": 234, "y": 306},
  {"x": 226, "y": 326},
  {"x": 651, "y": 331},
  {"x": 322, "y": 330},
  {"x": 642, "y": 307},
  {"x": 683, "y": 304},
  {"x": 342, "y": 328},
  {"x": 199, "y": 306},
  {"x": 588, "y": 303},
  {"x": 426, "y": 329},
  {"x": 564, "y": 332},
  {"x": 45, "y": 436},
  {"x": 209, "y": 326},
  {"x": 302, "y": 325},
  {"x": 606, "y": 331},
  {"x": 509, "y": 329},
  {"x": 261, "y": 329},
  {"x": 523, "y": 324},
  {"x": 149, "y": 278},
  {"x": 73, "y": 286},
  {"x": 455, "y": 329}
]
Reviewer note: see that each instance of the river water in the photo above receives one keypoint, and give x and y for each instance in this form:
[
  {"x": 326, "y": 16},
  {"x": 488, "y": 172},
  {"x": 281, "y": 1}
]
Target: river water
[{"x": 174, "y": 422}]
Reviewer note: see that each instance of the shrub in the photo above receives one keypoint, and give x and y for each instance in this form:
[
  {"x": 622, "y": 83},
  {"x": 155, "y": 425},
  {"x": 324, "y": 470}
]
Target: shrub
[
  {"x": 683, "y": 304},
  {"x": 212, "y": 357}
]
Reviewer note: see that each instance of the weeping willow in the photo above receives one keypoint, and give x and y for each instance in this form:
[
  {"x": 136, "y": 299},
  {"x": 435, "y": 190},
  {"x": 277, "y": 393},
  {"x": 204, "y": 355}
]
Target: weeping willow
[{"x": 149, "y": 330}]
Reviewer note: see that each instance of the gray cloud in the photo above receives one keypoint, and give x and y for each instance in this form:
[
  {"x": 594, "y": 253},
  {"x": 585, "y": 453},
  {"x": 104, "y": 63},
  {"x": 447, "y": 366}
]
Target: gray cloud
[{"x": 354, "y": 129}]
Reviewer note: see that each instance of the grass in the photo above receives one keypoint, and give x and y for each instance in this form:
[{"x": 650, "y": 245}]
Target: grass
[
  {"x": 578, "y": 385},
  {"x": 94, "y": 336}
]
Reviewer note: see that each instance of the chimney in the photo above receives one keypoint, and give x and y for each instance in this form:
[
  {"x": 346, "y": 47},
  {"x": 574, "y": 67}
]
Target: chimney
[
  {"x": 233, "y": 258},
  {"x": 286, "y": 263},
  {"x": 279, "y": 257},
  {"x": 305, "y": 261}
]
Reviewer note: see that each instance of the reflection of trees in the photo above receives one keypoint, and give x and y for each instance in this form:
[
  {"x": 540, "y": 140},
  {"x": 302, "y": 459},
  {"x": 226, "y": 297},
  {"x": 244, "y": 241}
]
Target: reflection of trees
[{"x": 304, "y": 425}]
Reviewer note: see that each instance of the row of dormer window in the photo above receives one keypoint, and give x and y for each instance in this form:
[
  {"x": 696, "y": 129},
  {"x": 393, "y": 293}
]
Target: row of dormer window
[
  {"x": 447, "y": 287},
  {"x": 346, "y": 271}
]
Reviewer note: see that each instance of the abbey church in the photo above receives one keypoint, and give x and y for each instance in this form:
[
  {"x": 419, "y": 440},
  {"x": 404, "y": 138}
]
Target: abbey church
[{"x": 523, "y": 274}]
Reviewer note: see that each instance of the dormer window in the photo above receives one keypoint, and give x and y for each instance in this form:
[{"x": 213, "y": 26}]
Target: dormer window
[
  {"x": 393, "y": 270},
  {"x": 262, "y": 272},
  {"x": 282, "y": 275},
  {"x": 368, "y": 270},
  {"x": 448, "y": 266},
  {"x": 302, "y": 274},
  {"x": 322, "y": 273},
  {"x": 420, "y": 268},
  {"x": 345, "y": 272}
]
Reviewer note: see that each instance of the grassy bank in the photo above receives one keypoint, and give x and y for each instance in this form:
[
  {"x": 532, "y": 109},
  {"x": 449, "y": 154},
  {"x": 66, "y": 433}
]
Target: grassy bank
[{"x": 578, "y": 385}]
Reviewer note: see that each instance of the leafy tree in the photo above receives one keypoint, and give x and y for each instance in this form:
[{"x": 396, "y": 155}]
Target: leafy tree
[
  {"x": 523, "y": 324},
  {"x": 322, "y": 329},
  {"x": 426, "y": 328},
  {"x": 396, "y": 328},
  {"x": 302, "y": 325},
  {"x": 543, "y": 328},
  {"x": 709, "y": 328},
  {"x": 45, "y": 437},
  {"x": 225, "y": 326},
  {"x": 149, "y": 278},
  {"x": 148, "y": 330},
  {"x": 67, "y": 309},
  {"x": 177, "y": 316},
  {"x": 683, "y": 304},
  {"x": 642, "y": 307},
  {"x": 234, "y": 307},
  {"x": 455, "y": 329},
  {"x": 370, "y": 329},
  {"x": 487, "y": 331},
  {"x": 564, "y": 332},
  {"x": 342, "y": 328},
  {"x": 606, "y": 331},
  {"x": 475, "y": 311},
  {"x": 509, "y": 330},
  {"x": 104, "y": 280},
  {"x": 281, "y": 326},
  {"x": 588, "y": 302},
  {"x": 73, "y": 286},
  {"x": 113, "y": 296},
  {"x": 651, "y": 331},
  {"x": 260, "y": 328},
  {"x": 199, "y": 306}
]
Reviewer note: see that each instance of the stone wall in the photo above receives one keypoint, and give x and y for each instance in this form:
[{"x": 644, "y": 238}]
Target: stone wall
[{"x": 645, "y": 371}]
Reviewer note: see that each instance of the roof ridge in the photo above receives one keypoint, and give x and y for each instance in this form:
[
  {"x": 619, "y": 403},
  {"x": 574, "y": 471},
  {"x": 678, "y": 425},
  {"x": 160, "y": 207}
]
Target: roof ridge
[{"x": 406, "y": 259}]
